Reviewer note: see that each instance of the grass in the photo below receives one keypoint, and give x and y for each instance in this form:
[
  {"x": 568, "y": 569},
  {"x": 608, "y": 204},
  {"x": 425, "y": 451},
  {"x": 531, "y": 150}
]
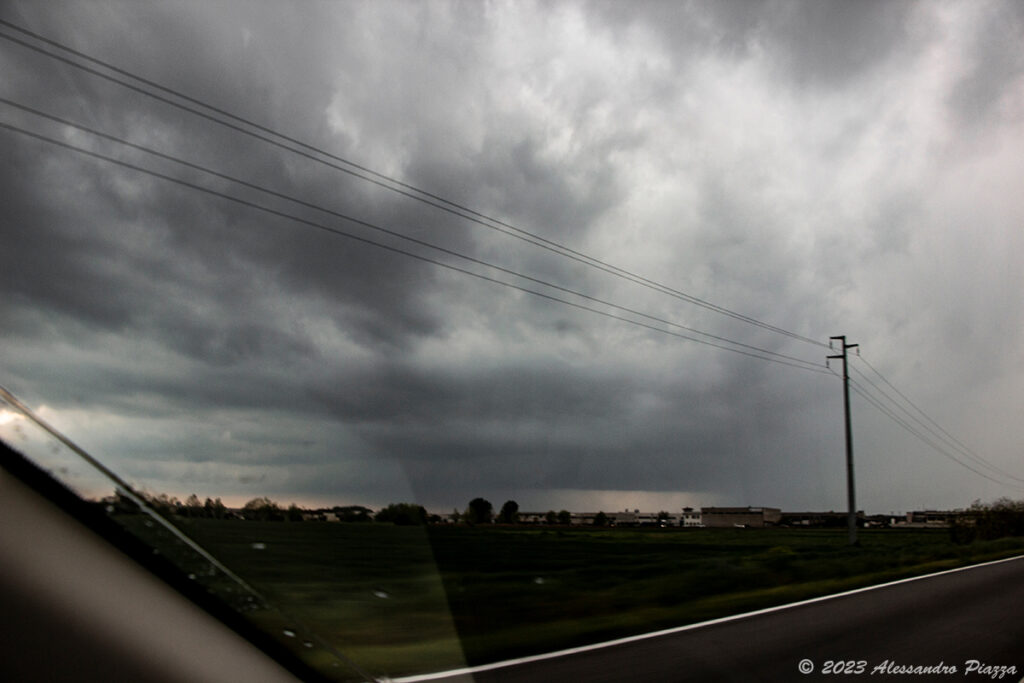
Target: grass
[{"x": 409, "y": 599}]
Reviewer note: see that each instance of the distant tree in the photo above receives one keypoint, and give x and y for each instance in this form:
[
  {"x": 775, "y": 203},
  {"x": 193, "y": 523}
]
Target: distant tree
[
  {"x": 480, "y": 511},
  {"x": 214, "y": 509},
  {"x": 600, "y": 519},
  {"x": 564, "y": 517},
  {"x": 1004, "y": 517},
  {"x": 192, "y": 507},
  {"x": 163, "y": 504},
  {"x": 509, "y": 512},
  {"x": 963, "y": 528},
  {"x": 123, "y": 503},
  {"x": 262, "y": 509},
  {"x": 403, "y": 514},
  {"x": 551, "y": 517},
  {"x": 663, "y": 516},
  {"x": 294, "y": 513},
  {"x": 455, "y": 516}
]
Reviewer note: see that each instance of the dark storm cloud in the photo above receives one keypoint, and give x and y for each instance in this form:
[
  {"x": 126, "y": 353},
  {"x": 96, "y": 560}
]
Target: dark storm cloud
[
  {"x": 299, "y": 262},
  {"x": 197, "y": 234},
  {"x": 558, "y": 429},
  {"x": 816, "y": 44},
  {"x": 777, "y": 158},
  {"x": 691, "y": 449},
  {"x": 997, "y": 63},
  {"x": 827, "y": 44},
  {"x": 223, "y": 253},
  {"x": 540, "y": 392},
  {"x": 541, "y": 195}
]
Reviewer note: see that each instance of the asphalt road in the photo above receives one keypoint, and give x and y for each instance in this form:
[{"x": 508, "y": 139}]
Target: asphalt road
[{"x": 946, "y": 620}]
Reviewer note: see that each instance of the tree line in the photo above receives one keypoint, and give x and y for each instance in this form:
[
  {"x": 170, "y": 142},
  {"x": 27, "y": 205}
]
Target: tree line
[
  {"x": 988, "y": 521},
  {"x": 478, "y": 511},
  {"x": 981, "y": 521},
  {"x": 261, "y": 508}
]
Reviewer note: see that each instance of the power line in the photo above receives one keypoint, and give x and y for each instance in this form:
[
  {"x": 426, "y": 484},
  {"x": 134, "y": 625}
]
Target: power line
[
  {"x": 888, "y": 413},
  {"x": 882, "y": 408},
  {"x": 948, "y": 441},
  {"x": 341, "y": 233},
  {"x": 392, "y": 233},
  {"x": 455, "y": 208},
  {"x": 420, "y": 195}
]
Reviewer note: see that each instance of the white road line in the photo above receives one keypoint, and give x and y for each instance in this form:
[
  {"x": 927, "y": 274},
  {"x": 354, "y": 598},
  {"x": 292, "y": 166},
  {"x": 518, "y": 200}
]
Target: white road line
[{"x": 678, "y": 629}]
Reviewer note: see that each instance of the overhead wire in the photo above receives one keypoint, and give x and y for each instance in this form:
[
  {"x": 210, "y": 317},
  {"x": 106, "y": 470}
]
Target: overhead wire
[
  {"x": 407, "y": 190},
  {"x": 951, "y": 440},
  {"x": 757, "y": 353},
  {"x": 376, "y": 178},
  {"x": 945, "y": 440},
  {"x": 424, "y": 243},
  {"x": 864, "y": 393},
  {"x": 432, "y": 199},
  {"x": 859, "y": 389}
]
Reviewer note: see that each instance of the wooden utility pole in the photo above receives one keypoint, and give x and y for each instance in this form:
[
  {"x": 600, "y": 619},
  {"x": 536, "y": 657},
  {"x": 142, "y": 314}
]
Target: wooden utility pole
[{"x": 851, "y": 498}]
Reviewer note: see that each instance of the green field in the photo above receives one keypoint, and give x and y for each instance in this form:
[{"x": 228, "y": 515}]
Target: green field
[{"x": 399, "y": 600}]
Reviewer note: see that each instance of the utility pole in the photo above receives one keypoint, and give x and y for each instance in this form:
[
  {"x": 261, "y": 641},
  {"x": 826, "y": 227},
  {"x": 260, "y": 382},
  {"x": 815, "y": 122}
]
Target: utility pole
[{"x": 851, "y": 516}]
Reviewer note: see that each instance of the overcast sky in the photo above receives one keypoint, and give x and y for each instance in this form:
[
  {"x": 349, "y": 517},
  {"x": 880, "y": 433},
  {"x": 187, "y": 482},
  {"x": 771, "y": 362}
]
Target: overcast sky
[{"x": 826, "y": 168}]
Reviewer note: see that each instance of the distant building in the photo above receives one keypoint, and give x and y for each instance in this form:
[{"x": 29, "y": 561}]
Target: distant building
[
  {"x": 879, "y": 521},
  {"x": 532, "y": 517},
  {"x": 930, "y": 519},
  {"x": 820, "y": 519},
  {"x": 625, "y": 518},
  {"x": 691, "y": 518},
  {"x": 582, "y": 518},
  {"x": 756, "y": 517},
  {"x": 347, "y": 513}
]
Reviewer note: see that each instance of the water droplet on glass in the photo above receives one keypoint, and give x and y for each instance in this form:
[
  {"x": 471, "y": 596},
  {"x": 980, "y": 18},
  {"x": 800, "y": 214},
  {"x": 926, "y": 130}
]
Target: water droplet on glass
[
  {"x": 539, "y": 580},
  {"x": 192, "y": 577},
  {"x": 307, "y": 644},
  {"x": 259, "y": 546},
  {"x": 110, "y": 509},
  {"x": 289, "y": 633},
  {"x": 381, "y": 594}
]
